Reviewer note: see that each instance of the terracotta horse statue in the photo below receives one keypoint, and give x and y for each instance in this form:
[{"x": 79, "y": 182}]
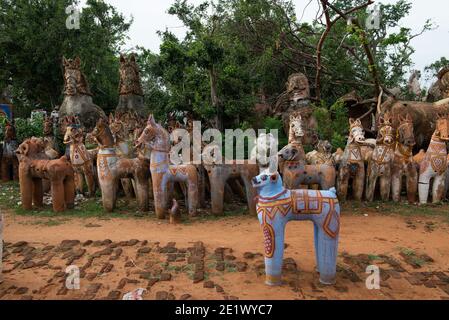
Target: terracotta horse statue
[
  {"x": 131, "y": 93},
  {"x": 277, "y": 206},
  {"x": 120, "y": 126},
  {"x": 34, "y": 167},
  {"x": 293, "y": 163},
  {"x": 352, "y": 163},
  {"x": 434, "y": 164},
  {"x": 380, "y": 162},
  {"x": 10, "y": 164},
  {"x": 155, "y": 142},
  {"x": 111, "y": 168},
  {"x": 403, "y": 163},
  {"x": 78, "y": 97},
  {"x": 81, "y": 159},
  {"x": 322, "y": 154}
]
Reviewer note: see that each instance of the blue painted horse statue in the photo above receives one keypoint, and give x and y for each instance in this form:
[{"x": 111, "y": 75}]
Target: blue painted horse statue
[{"x": 277, "y": 206}]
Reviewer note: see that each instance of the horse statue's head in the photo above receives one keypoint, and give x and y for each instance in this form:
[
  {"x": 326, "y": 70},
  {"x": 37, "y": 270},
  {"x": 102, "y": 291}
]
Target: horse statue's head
[
  {"x": 74, "y": 131},
  {"x": 102, "y": 134},
  {"x": 405, "y": 132},
  {"x": 298, "y": 88},
  {"x": 356, "y": 132},
  {"x": 268, "y": 185},
  {"x": 154, "y": 137},
  {"x": 386, "y": 132},
  {"x": 297, "y": 131},
  {"x": 324, "y": 147},
  {"x": 31, "y": 148},
  {"x": 442, "y": 126},
  {"x": 74, "y": 80},
  {"x": 129, "y": 76}
]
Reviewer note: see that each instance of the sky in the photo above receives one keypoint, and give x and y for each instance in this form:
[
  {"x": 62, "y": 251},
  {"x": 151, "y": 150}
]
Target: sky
[{"x": 151, "y": 16}]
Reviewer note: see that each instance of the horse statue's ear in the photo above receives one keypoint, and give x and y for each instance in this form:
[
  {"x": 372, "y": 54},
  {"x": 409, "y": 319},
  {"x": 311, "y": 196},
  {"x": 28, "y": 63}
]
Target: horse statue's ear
[
  {"x": 65, "y": 62},
  {"x": 351, "y": 121},
  {"x": 151, "y": 120},
  {"x": 409, "y": 118},
  {"x": 122, "y": 58},
  {"x": 132, "y": 57},
  {"x": 77, "y": 62}
]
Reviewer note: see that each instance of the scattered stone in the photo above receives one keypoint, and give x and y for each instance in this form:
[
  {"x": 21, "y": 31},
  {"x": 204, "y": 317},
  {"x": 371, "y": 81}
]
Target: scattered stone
[
  {"x": 91, "y": 225},
  {"x": 198, "y": 277},
  {"x": 91, "y": 276},
  {"x": 106, "y": 268},
  {"x": 48, "y": 248},
  {"x": 87, "y": 243},
  {"x": 144, "y": 250},
  {"x": 132, "y": 242},
  {"x": 248, "y": 255},
  {"x": 106, "y": 242},
  {"x": 63, "y": 291},
  {"x": 97, "y": 243},
  {"x": 21, "y": 291},
  {"x": 162, "y": 295},
  {"x": 185, "y": 297},
  {"x": 209, "y": 285},
  {"x": 219, "y": 288},
  {"x": 28, "y": 265},
  {"x": 152, "y": 282},
  {"x": 230, "y": 258},
  {"x": 165, "y": 277},
  {"x": 242, "y": 266},
  {"x": 104, "y": 252},
  {"x": 144, "y": 243},
  {"x": 129, "y": 264},
  {"x": 114, "y": 295},
  {"x": 20, "y": 244},
  {"x": 93, "y": 289}
]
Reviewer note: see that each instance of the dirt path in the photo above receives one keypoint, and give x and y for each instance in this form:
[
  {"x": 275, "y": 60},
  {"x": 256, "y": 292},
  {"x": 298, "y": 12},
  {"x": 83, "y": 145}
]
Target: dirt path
[{"x": 183, "y": 261}]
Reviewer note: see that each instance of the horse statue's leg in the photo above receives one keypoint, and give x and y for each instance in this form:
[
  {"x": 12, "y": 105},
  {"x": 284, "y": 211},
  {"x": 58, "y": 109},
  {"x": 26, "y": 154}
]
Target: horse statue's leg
[
  {"x": 438, "y": 188},
  {"x": 412, "y": 183},
  {"x": 88, "y": 171},
  {"x": 343, "y": 182},
  {"x": 358, "y": 183},
  {"x": 385, "y": 185},
  {"x": 424, "y": 185},
  {"x": 274, "y": 233},
  {"x": 396, "y": 183},
  {"x": 217, "y": 177}
]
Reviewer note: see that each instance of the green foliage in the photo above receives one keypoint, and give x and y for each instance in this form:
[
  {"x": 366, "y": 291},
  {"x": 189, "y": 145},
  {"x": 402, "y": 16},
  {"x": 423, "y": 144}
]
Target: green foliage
[
  {"x": 333, "y": 123},
  {"x": 276, "y": 124},
  {"x": 33, "y": 39},
  {"x": 27, "y": 128},
  {"x": 432, "y": 70}
]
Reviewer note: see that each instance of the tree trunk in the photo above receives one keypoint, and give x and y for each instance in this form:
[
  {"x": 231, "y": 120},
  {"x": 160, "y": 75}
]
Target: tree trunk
[{"x": 215, "y": 100}]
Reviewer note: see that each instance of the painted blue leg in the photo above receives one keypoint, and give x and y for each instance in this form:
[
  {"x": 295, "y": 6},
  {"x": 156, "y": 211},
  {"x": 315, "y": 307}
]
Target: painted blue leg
[
  {"x": 274, "y": 250},
  {"x": 327, "y": 258},
  {"x": 316, "y": 234}
]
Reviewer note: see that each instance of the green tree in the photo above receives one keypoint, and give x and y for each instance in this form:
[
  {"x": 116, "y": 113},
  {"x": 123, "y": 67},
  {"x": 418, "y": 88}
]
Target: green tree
[{"x": 34, "y": 37}]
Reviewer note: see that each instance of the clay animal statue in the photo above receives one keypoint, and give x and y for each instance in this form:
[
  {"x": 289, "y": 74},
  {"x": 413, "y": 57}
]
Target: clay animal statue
[
  {"x": 221, "y": 172},
  {"x": 322, "y": 154},
  {"x": 403, "y": 164},
  {"x": 124, "y": 145},
  {"x": 155, "y": 141},
  {"x": 10, "y": 164},
  {"x": 293, "y": 163},
  {"x": 1, "y": 248},
  {"x": 380, "y": 162},
  {"x": 424, "y": 115},
  {"x": 434, "y": 164},
  {"x": 111, "y": 168},
  {"x": 80, "y": 158},
  {"x": 49, "y": 139},
  {"x": 78, "y": 97},
  {"x": 352, "y": 164},
  {"x": 277, "y": 206},
  {"x": 130, "y": 88},
  {"x": 440, "y": 89},
  {"x": 34, "y": 166},
  {"x": 295, "y": 101}
]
